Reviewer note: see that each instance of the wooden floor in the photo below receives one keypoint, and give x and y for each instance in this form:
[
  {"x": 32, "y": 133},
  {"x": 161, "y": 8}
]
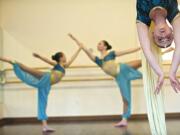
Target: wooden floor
[{"x": 89, "y": 128}]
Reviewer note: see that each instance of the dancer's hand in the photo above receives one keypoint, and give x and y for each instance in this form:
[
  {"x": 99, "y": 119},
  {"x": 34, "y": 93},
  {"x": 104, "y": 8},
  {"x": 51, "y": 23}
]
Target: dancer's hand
[
  {"x": 78, "y": 42},
  {"x": 71, "y": 36},
  {"x": 159, "y": 83},
  {"x": 174, "y": 82},
  {"x": 139, "y": 48},
  {"x": 36, "y": 55}
]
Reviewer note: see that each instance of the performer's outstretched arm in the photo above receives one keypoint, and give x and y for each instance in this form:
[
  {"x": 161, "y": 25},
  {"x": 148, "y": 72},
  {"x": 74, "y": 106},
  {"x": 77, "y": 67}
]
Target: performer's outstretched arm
[
  {"x": 120, "y": 53},
  {"x": 44, "y": 59},
  {"x": 143, "y": 33},
  {"x": 87, "y": 51},
  {"x": 176, "y": 57},
  {"x": 72, "y": 58}
]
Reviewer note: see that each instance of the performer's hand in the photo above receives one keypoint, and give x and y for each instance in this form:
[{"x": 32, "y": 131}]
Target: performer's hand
[
  {"x": 71, "y": 36},
  {"x": 36, "y": 55},
  {"x": 159, "y": 83},
  {"x": 78, "y": 42},
  {"x": 174, "y": 82},
  {"x": 139, "y": 48}
]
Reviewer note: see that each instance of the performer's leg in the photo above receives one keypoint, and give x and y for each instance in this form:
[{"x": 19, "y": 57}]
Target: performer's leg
[
  {"x": 125, "y": 87},
  {"x": 45, "y": 127},
  {"x": 31, "y": 71},
  {"x": 130, "y": 70},
  {"x": 43, "y": 93},
  {"x": 126, "y": 94},
  {"x": 6, "y": 60},
  {"x": 125, "y": 106},
  {"x": 135, "y": 64},
  {"x": 27, "y": 69}
]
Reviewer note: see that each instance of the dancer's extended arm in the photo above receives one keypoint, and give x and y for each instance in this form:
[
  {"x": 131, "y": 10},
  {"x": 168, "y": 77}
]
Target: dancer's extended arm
[
  {"x": 120, "y": 53},
  {"x": 72, "y": 58},
  {"x": 86, "y": 50},
  {"x": 176, "y": 56},
  {"x": 144, "y": 39},
  {"x": 44, "y": 59}
]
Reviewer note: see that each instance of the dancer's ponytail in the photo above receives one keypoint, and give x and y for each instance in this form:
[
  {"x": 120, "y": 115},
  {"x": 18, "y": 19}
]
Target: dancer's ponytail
[{"x": 56, "y": 57}]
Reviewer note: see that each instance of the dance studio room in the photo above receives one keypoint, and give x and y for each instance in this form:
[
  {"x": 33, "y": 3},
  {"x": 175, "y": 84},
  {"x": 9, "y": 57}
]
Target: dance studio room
[{"x": 89, "y": 67}]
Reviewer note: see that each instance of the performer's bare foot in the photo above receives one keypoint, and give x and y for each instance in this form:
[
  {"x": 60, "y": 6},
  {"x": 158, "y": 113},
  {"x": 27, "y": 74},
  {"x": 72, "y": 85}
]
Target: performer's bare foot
[
  {"x": 6, "y": 60},
  {"x": 48, "y": 129},
  {"x": 122, "y": 123}
]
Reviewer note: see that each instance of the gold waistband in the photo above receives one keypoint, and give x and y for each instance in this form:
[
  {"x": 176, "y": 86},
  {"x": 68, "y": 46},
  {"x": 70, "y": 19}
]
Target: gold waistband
[{"x": 55, "y": 75}]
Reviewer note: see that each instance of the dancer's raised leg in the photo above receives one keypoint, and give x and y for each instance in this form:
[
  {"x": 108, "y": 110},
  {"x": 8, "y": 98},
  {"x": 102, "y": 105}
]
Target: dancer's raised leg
[
  {"x": 31, "y": 71},
  {"x": 27, "y": 69},
  {"x": 135, "y": 64}
]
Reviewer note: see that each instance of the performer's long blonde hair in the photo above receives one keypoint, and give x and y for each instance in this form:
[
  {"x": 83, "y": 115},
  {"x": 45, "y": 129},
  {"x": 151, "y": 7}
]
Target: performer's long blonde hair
[{"x": 155, "y": 103}]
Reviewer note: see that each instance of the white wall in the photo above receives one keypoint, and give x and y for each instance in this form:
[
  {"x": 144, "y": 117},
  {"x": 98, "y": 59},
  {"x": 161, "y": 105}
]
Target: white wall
[{"x": 41, "y": 26}]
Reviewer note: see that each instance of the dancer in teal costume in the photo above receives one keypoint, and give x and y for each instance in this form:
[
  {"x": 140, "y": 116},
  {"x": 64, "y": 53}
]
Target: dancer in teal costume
[
  {"x": 123, "y": 73},
  {"x": 123, "y": 78},
  {"x": 43, "y": 80},
  {"x": 43, "y": 84}
]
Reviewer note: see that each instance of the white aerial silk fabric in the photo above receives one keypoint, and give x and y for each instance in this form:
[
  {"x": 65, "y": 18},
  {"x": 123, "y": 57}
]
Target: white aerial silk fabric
[{"x": 154, "y": 102}]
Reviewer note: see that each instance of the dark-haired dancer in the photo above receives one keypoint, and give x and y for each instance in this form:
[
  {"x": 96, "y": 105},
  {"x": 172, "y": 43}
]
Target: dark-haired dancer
[
  {"x": 43, "y": 80},
  {"x": 123, "y": 73}
]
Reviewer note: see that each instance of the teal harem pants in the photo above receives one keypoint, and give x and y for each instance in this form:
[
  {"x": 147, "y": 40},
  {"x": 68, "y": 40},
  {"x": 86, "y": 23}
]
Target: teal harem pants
[
  {"x": 123, "y": 80},
  {"x": 43, "y": 85}
]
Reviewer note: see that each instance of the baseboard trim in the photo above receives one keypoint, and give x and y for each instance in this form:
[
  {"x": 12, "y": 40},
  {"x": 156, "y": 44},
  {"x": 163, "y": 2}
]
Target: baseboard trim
[
  {"x": 2, "y": 122},
  {"x": 12, "y": 121}
]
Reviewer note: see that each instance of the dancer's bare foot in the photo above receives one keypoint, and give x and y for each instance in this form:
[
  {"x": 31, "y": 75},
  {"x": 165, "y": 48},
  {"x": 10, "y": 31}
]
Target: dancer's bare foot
[
  {"x": 122, "y": 123},
  {"x": 48, "y": 129},
  {"x": 6, "y": 60}
]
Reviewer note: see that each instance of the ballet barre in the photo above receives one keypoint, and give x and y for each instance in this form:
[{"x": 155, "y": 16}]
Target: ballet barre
[
  {"x": 165, "y": 63},
  {"x": 77, "y": 80}
]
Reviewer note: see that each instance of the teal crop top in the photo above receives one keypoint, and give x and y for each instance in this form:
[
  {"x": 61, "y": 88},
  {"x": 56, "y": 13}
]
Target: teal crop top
[
  {"x": 110, "y": 56},
  {"x": 59, "y": 68}
]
